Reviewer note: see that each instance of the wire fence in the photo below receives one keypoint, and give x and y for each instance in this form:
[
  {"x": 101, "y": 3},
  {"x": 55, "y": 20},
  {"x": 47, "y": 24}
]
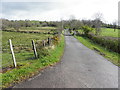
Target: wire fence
[{"x": 25, "y": 52}]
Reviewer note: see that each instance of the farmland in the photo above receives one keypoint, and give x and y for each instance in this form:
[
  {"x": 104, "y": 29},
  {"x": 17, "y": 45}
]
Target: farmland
[
  {"x": 109, "y": 32},
  {"x": 24, "y": 54},
  {"x": 106, "y": 32},
  {"x": 22, "y": 45}
]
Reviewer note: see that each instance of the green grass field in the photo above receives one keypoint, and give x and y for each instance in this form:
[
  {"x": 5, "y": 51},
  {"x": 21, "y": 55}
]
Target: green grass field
[
  {"x": 38, "y": 28},
  {"x": 22, "y": 46},
  {"x": 21, "y": 38},
  {"x": 107, "y": 32}
]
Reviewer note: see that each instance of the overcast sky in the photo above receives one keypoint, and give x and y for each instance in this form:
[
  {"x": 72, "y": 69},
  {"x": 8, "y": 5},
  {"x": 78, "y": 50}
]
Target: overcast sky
[{"x": 52, "y": 10}]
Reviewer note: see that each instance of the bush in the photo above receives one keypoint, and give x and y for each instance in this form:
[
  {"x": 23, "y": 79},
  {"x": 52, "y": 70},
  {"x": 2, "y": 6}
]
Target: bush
[
  {"x": 107, "y": 43},
  {"x": 56, "y": 40},
  {"x": 41, "y": 51},
  {"x": 86, "y": 29}
]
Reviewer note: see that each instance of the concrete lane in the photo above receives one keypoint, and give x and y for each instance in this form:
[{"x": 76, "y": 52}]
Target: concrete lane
[{"x": 80, "y": 67}]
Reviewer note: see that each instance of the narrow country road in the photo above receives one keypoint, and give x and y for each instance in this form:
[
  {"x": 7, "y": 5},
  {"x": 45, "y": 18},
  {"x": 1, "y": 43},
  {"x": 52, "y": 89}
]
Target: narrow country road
[{"x": 80, "y": 67}]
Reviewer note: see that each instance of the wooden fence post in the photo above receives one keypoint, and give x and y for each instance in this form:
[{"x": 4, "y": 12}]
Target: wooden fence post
[
  {"x": 13, "y": 55},
  {"x": 34, "y": 48},
  {"x": 48, "y": 41},
  {"x": 44, "y": 43}
]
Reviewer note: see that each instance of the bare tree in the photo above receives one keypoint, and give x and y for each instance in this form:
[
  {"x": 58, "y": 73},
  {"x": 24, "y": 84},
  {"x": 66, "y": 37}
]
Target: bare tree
[
  {"x": 60, "y": 26},
  {"x": 72, "y": 21},
  {"x": 16, "y": 25},
  {"x": 98, "y": 22},
  {"x": 115, "y": 25},
  {"x": 5, "y": 24},
  {"x": 72, "y": 17}
]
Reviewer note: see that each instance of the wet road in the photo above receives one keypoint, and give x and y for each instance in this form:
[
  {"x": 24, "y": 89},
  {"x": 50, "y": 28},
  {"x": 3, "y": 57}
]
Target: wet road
[{"x": 80, "y": 67}]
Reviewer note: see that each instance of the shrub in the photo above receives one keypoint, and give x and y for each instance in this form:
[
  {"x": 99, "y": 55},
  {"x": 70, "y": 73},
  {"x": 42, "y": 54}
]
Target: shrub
[
  {"x": 56, "y": 40},
  {"x": 86, "y": 29},
  {"x": 107, "y": 43},
  {"x": 41, "y": 51}
]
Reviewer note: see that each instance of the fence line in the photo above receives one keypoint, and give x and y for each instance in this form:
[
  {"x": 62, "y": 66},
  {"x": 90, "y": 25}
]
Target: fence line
[
  {"x": 29, "y": 31},
  {"x": 43, "y": 43}
]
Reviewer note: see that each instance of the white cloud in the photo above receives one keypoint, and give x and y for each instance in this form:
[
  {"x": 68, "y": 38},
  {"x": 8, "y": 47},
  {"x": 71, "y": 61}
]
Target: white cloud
[
  {"x": 87, "y": 8},
  {"x": 81, "y": 9}
]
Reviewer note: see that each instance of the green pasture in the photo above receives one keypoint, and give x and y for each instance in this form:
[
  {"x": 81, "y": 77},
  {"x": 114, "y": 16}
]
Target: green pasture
[
  {"x": 22, "y": 44},
  {"x": 37, "y": 28},
  {"x": 108, "y": 32}
]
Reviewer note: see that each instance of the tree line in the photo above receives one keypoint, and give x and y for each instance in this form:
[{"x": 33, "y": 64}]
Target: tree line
[
  {"x": 71, "y": 24},
  {"x": 17, "y": 24}
]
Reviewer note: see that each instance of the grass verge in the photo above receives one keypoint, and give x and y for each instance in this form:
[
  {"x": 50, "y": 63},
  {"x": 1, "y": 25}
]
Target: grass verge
[
  {"x": 111, "y": 56},
  {"x": 32, "y": 67}
]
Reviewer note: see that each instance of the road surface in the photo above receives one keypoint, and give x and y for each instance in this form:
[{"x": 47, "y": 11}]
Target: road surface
[{"x": 80, "y": 67}]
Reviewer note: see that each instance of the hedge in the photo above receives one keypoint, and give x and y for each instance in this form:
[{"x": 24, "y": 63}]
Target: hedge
[{"x": 112, "y": 45}]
